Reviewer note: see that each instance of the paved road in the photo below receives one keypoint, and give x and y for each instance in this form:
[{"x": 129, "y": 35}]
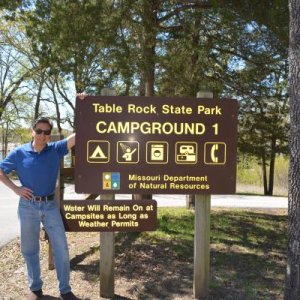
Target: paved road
[
  {"x": 216, "y": 201},
  {"x": 9, "y": 227}
]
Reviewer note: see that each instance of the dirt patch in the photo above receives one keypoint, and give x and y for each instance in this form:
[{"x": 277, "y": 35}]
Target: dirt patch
[{"x": 141, "y": 271}]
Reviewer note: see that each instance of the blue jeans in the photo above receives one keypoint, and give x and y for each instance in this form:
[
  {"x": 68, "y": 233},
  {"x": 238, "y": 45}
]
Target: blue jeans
[{"x": 32, "y": 214}]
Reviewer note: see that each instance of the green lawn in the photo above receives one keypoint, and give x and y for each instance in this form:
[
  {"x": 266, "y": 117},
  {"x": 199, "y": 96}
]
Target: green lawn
[{"x": 247, "y": 249}]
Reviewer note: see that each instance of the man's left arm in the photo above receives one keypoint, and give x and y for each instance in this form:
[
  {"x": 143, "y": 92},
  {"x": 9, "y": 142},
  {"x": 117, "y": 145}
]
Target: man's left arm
[{"x": 71, "y": 141}]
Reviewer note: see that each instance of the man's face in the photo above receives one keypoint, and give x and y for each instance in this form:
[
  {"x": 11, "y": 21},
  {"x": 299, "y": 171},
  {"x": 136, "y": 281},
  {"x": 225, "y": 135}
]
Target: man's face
[{"x": 41, "y": 133}]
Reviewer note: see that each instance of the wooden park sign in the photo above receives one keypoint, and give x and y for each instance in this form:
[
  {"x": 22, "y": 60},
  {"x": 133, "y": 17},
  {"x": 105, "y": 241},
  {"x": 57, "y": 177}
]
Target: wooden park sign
[{"x": 155, "y": 145}]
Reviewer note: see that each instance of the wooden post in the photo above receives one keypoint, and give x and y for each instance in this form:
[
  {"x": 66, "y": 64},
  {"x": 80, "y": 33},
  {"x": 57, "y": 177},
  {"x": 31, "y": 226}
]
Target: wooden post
[
  {"x": 107, "y": 244},
  {"x": 50, "y": 257},
  {"x": 107, "y": 260},
  {"x": 202, "y": 237},
  {"x": 190, "y": 201},
  {"x": 202, "y": 246}
]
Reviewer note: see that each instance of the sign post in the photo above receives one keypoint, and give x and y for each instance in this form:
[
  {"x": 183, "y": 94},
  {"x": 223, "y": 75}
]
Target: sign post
[
  {"x": 202, "y": 238},
  {"x": 107, "y": 245},
  {"x": 201, "y": 246}
]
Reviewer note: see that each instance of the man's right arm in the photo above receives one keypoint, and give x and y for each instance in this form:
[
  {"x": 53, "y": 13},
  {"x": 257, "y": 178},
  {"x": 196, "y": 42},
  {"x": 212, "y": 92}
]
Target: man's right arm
[{"x": 19, "y": 190}]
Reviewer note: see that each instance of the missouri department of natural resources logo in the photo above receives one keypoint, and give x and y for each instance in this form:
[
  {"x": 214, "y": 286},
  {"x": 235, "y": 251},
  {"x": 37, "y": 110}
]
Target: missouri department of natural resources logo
[{"x": 111, "y": 180}]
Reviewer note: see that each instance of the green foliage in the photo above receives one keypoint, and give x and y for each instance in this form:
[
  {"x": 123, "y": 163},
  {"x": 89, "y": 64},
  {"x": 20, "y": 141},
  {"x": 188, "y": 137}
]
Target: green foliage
[
  {"x": 21, "y": 135},
  {"x": 249, "y": 173},
  {"x": 273, "y": 14},
  {"x": 191, "y": 61},
  {"x": 68, "y": 37},
  {"x": 281, "y": 173},
  {"x": 10, "y": 5},
  {"x": 260, "y": 82}
]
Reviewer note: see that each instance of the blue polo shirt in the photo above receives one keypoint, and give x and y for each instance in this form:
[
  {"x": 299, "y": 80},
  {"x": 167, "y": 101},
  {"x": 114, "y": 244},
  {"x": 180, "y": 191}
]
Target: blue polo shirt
[{"x": 36, "y": 171}]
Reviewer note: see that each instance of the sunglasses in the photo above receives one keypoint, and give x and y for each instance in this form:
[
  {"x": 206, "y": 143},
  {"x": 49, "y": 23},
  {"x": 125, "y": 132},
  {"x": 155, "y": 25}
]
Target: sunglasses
[{"x": 40, "y": 131}]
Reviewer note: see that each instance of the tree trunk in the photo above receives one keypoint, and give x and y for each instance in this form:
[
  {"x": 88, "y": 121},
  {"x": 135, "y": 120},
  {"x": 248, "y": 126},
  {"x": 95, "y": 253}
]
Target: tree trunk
[
  {"x": 149, "y": 72},
  {"x": 51, "y": 85},
  {"x": 149, "y": 57},
  {"x": 194, "y": 57},
  {"x": 3, "y": 143},
  {"x": 292, "y": 287},
  {"x": 58, "y": 118},
  {"x": 272, "y": 167},
  {"x": 264, "y": 169},
  {"x": 38, "y": 97},
  {"x": 4, "y": 139},
  {"x": 2, "y": 108},
  {"x": 148, "y": 46}
]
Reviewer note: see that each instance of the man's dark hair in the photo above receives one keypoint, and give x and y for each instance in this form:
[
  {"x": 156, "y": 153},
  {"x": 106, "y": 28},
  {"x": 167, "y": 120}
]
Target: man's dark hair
[{"x": 42, "y": 120}]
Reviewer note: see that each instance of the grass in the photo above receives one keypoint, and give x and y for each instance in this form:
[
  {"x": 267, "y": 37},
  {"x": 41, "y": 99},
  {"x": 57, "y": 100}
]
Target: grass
[
  {"x": 247, "y": 259},
  {"x": 247, "y": 249}
]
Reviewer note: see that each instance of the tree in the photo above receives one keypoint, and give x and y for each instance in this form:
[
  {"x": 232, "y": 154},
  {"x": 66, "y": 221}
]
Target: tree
[
  {"x": 13, "y": 123},
  {"x": 171, "y": 48},
  {"x": 257, "y": 76},
  {"x": 12, "y": 75},
  {"x": 195, "y": 58},
  {"x": 68, "y": 38},
  {"x": 11, "y": 5},
  {"x": 263, "y": 114},
  {"x": 292, "y": 288}
]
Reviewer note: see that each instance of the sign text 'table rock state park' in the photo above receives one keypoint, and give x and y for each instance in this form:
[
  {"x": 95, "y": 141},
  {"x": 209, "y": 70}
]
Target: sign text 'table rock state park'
[{"x": 155, "y": 145}]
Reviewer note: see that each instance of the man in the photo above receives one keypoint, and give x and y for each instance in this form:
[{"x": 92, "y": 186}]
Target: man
[{"x": 36, "y": 164}]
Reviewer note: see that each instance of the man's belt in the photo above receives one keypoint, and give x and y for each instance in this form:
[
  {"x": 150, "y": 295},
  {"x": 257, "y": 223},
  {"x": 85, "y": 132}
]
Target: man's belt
[{"x": 43, "y": 198}]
